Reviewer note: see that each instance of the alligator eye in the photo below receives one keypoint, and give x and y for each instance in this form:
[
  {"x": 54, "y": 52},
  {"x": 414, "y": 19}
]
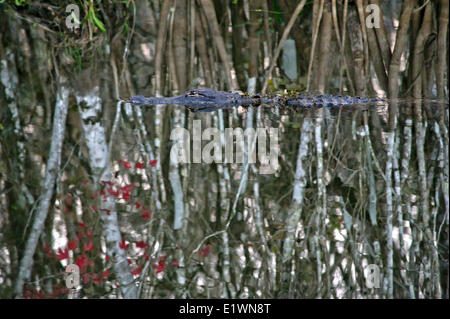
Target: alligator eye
[{"x": 193, "y": 92}]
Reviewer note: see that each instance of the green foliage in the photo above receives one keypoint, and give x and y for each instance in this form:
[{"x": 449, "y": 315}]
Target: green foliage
[
  {"x": 95, "y": 19},
  {"x": 125, "y": 28},
  {"x": 77, "y": 55},
  {"x": 20, "y": 2}
]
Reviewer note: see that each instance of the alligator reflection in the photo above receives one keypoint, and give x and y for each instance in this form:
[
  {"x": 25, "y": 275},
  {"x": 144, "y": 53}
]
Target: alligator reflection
[{"x": 368, "y": 169}]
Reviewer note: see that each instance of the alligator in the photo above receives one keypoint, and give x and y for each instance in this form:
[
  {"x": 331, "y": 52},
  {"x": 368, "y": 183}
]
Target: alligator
[{"x": 208, "y": 99}]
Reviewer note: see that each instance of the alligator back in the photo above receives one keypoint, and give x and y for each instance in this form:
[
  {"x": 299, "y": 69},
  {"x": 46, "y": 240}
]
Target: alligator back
[{"x": 208, "y": 98}]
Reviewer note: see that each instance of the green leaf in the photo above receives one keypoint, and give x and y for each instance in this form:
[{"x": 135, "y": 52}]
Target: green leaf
[
  {"x": 99, "y": 23},
  {"x": 125, "y": 28},
  {"x": 96, "y": 20}
]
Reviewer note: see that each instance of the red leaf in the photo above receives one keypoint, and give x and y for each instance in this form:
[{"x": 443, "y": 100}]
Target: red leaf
[
  {"x": 204, "y": 252},
  {"x": 89, "y": 233},
  {"x": 68, "y": 202},
  {"x": 128, "y": 187},
  {"x": 89, "y": 246},
  {"x": 175, "y": 263},
  {"x": 107, "y": 258},
  {"x": 61, "y": 255},
  {"x": 85, "y": 182},
  {"x": 80, "y": 235},
  {"x": 159, "y": 267},
  {"x": 112, "y": 192},
  {"x": 86, "y": 278},
  {"x": 126, "y": 164},
  {"x": 107, "y": 211},
  {"x": 122, "y": 244},
  {"x": 72, "y": 245},
  {"x": 126, "y": 191},
  {"x": 107, "y": 183},
  {"x": 153, "y": 163},
  {"x": 67, "y": 210},
  {"x": 105, "y": 273},
  {"x": 136, "y": 271},
  {"x": 146, "y": 214},
  {"x": 138, "y": 205},
  {"x": 97, "y": 279},
  {"x": 82, "y": 225},
  {"x": 82, "y": 261},
  {"x": 139, "y": 165},
  {"x": 141, "y": 244},
  {"x": 126, "y": 196}
]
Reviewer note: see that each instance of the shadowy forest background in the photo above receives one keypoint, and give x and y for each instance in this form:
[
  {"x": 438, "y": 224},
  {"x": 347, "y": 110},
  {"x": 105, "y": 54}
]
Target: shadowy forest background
[{"x": 86, "y": 178}]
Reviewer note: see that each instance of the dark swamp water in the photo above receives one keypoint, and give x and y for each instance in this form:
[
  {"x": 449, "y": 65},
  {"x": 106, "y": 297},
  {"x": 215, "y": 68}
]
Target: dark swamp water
[
  {"x": 327, "y": 192},
  {"x": 367, "y": 181}
]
